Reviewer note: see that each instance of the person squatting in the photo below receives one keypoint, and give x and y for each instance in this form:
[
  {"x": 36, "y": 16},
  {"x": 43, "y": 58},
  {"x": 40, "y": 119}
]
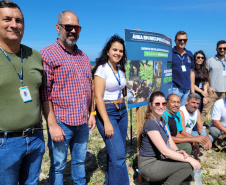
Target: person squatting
[{"x": 58, "y": 82}]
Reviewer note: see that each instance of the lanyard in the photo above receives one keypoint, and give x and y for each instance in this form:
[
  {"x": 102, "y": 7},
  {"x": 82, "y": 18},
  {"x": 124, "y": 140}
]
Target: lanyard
[
  {"x": 222, "y": 64},
  {"x": 164, "y": 128},
  {"x": 117, "y": 78},
  {"x": 181, "y": 58},
  {"x": 21, "y": 74}
]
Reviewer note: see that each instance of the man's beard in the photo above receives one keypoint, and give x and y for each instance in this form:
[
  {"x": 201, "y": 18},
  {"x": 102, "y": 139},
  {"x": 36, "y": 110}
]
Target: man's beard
[
  {"x": 66, "y": 40},
  {"x": 220, "y": 54},
  {"x": 190, "y": 109}
]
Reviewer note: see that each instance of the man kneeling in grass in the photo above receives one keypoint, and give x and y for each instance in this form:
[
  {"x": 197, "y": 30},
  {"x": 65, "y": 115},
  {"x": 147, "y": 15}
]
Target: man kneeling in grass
[
  {"x": 173, "y": 118},
  {"x": 191, "y": 121},
  {"x": 218, "y": 123}
]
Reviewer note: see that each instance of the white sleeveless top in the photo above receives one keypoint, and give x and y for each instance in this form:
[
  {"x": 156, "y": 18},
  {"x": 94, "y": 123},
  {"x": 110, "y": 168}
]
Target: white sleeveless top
[
  {"x": 190, "y": 119},
  {"x": 112, "y": 88}
]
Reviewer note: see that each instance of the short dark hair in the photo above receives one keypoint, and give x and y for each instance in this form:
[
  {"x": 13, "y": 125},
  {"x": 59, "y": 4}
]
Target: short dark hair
[
  {"x": 220, "y": 42},
  {"x": 180, "y": 33},
  {"x": 10, "y": 4},
  {"x": 169, "y": 96}
]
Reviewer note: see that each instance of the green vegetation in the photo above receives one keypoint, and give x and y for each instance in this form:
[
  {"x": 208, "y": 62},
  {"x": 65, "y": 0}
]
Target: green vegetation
[
  {"x": 213, "y": 162},
  {"x": 146, "y": 71},
  {"x": 127, "y": 69}
]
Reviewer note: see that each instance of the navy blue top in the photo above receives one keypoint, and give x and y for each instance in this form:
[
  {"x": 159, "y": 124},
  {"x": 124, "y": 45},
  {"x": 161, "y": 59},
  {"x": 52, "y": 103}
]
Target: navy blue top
[
  {"x": 148, "y": 149},
  {"x": 182, "y": 79}
]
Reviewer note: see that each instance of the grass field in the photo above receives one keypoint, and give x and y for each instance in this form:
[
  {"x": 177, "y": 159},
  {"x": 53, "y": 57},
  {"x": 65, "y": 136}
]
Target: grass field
[{"x": 213, "y": 162}]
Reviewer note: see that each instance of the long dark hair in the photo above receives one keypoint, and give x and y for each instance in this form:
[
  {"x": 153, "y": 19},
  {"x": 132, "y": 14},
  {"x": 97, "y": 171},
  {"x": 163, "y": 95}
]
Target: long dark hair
[
  {"x": 202, "y": 71},
  {"x": 103, "y": 59}
]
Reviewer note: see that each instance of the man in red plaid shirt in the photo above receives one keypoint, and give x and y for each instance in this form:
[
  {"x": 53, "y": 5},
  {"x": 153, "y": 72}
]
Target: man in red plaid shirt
[{"x": 67, "y": 100}]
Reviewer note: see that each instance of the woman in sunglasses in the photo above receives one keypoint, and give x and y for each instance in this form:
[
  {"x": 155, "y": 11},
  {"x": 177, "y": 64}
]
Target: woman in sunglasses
[
  {"x": 201, "y": 77},
  {"x": 112, "y": 118},
  {"x": 159, "y": 158}
]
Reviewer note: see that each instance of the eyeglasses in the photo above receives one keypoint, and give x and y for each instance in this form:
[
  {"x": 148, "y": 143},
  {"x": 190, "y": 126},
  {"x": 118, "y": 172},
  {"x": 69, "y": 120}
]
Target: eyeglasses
[
  {"x": 180, "y": 40},
  {"x": 222, "y": 48},
  {"x": 69, "y": 27},
  {"x": 199, "y": 57},
  {"x": 157, "y": 104}
]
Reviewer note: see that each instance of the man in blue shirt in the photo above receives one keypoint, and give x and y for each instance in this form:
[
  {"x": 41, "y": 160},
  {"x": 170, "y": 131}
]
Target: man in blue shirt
[{"x": 182, "y": 67}]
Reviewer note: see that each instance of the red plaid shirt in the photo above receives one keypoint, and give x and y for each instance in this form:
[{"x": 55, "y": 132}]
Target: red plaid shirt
[{"x": 69, "y": 83}]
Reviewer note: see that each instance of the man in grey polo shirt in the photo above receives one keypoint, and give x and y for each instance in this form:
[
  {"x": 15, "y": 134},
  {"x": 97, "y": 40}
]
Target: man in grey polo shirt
[{"x": 217, "y": 71}]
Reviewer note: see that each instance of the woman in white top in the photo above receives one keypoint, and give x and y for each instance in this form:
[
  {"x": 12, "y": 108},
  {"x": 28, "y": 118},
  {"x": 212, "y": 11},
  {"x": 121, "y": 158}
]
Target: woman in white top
[{"x": 112, "y": 118}]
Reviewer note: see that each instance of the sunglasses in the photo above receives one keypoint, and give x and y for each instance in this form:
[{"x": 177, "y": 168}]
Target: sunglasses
[
  {"x": 222, "y": 48},
  {"x": 158, "y": 104},
  {"x": 199, "y": 57},
  {"x": 180, "y": 40},
  {"x": 69, "y": 27}
]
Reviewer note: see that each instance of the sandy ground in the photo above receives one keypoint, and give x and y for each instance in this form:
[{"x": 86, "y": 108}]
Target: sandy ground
[{"x": 212, "y": 164}]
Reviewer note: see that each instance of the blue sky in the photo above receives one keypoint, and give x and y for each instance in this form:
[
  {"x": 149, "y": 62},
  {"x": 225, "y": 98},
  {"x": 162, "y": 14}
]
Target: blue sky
[{"x": 203, "y": 20}]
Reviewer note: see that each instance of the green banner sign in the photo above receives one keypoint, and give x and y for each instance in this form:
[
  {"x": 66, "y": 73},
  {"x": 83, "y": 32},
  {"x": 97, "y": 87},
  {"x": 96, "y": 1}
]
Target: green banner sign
[{"x": 155, "y": 54}]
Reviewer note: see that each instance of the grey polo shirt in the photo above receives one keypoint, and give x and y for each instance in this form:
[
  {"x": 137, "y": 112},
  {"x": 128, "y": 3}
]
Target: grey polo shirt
[{"x": 215, "y": 68}]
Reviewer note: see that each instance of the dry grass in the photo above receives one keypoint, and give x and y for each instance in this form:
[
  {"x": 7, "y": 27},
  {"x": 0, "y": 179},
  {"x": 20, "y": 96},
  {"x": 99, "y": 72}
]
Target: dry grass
[{"x": 213, "y": 162}]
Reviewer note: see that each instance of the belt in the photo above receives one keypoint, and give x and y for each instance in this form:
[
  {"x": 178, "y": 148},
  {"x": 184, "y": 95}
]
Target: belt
[
  {"x": 115, "y": 102},
  {"x": 23, "y": 133}
]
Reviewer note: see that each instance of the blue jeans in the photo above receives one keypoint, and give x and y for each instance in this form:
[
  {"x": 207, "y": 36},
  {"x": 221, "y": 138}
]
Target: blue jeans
[
  {"x": 215, "y": 132},
  {"x": 116, "y": 173},
  {"x": 195, "y": 133},
  {"x": 183, "y": 94},
  {"x": 21, "y": 158},
  {"x": 76, "y": 138}
]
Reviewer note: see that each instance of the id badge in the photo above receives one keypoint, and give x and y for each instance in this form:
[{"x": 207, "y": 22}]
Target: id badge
[
  {"x": 183, "y": 68},
  {"x": 223, "y": 73},
  {"x": 119, "y": 95},
  {"x": 25, "y": 94}
]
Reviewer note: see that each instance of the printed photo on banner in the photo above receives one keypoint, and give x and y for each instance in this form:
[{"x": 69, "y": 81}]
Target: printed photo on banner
[
  {"x": 149, "y": 65},
  {"x": 144, "y": 77}
]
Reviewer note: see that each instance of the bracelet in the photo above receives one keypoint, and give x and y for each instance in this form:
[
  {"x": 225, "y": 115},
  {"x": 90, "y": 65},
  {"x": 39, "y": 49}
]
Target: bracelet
[
  {"x": 93, "y": 113},
  {"x": 177, "y": 150}
]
